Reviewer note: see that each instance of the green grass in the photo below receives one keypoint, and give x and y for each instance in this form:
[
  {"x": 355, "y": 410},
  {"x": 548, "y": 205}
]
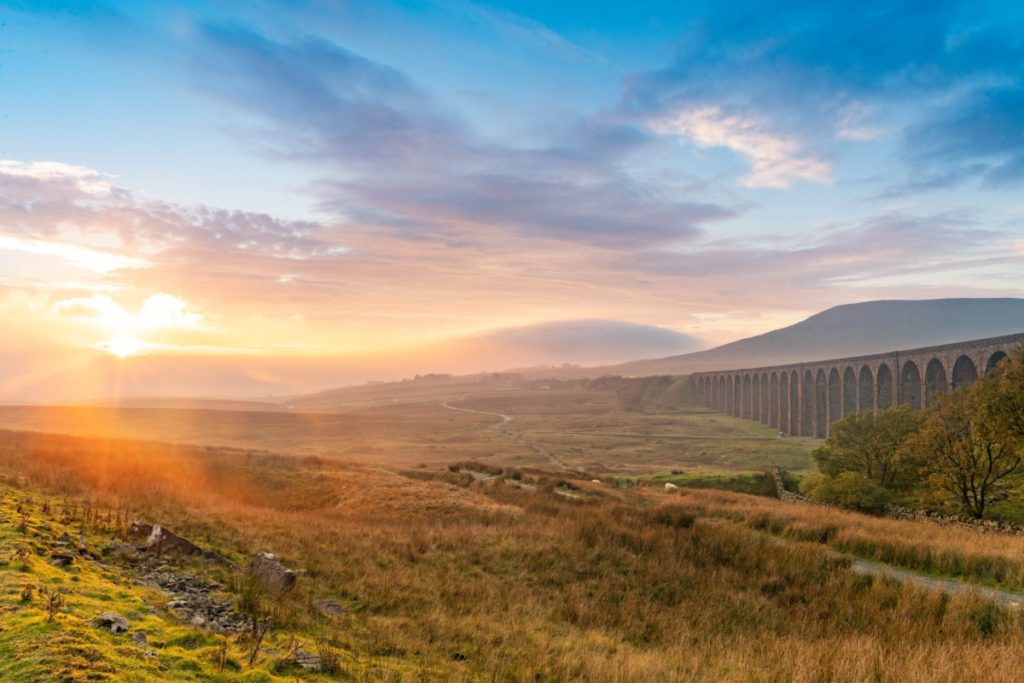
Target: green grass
[
  {"x": 34, "y": 649},
  {"x": 754, "y": 483}
]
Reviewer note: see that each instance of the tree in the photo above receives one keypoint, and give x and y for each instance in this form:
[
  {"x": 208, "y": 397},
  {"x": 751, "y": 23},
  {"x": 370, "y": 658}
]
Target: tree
[
  {"x": 963, "y": 455},
  {"x": 869, "y": 444},
  {"x": 1000, "y": 396}
]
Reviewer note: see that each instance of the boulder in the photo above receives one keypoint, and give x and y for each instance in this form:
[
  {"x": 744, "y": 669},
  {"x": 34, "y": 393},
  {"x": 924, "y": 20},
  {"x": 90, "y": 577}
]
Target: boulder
[
  {"x": 112, "y": 621},
  {"x": 271, "y": 573},
  {"x": 162, "y": 539},
  {"x": 307, "y": 660},
  {"x": 61, "y": 559}
]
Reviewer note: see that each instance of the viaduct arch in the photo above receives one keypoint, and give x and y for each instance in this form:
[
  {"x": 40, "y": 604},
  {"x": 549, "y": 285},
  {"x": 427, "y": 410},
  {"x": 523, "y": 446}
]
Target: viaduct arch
[{"x": 804, "y": 399}]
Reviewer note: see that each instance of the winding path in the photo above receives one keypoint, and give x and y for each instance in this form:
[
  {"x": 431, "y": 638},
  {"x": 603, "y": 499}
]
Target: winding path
[
  {"x": 500, "y": 426},
  {"x": 497, "y": 426}
]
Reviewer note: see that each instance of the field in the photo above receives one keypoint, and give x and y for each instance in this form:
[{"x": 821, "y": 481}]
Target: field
[
  {"x": 456, "y": 545},
  {"x": 561, "y": 428}
]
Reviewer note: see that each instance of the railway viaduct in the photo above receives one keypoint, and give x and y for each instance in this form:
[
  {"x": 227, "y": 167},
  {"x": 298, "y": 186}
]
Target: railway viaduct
[{"x": 804, "y": 399}]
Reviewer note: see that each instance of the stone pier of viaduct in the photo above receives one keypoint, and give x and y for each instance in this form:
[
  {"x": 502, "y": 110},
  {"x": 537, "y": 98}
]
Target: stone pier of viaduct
[{"x": 804, "y": 399}]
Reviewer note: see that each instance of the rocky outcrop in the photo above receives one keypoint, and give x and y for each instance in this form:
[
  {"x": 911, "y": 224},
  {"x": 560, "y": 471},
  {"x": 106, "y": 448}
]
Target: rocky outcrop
[
  {"x": 160, "y": 539},
  {"x": 271, "y": 573}
]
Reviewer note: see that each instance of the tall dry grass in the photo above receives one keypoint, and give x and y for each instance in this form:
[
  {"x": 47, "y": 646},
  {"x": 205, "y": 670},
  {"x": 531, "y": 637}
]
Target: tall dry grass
[
  {"x": 499, "y": 583},
  {"x": 994, "y": 559}
]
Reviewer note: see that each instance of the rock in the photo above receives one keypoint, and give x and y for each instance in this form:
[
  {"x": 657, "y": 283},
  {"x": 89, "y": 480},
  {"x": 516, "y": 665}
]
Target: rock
[
  {"x": 165, "y": 540},
  {"x": 669, "y": 486},
  {"x": 191, "y": 600},
  {"x": 307, "y": 660},
  {"x": 140, "y": 639},
  {"x": 119, "y": 551},
  {"x": 61, "y": 560},
  {"x": 274, "y": 575},
  {"x": 111, "y": 620},
  {"x": 330, "y": 608}
]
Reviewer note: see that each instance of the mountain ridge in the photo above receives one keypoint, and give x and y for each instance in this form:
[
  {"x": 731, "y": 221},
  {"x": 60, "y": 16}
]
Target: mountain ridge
[{"x": 850, "y": 330}]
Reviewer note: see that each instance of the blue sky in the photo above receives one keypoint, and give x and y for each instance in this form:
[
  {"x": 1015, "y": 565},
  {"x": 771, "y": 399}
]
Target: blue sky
[{"x": 389, "y": 174}]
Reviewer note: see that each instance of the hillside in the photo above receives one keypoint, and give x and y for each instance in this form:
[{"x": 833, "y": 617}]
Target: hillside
[
  {"x": 850, "y": 330},
  {"x": 438, "y": 575}
]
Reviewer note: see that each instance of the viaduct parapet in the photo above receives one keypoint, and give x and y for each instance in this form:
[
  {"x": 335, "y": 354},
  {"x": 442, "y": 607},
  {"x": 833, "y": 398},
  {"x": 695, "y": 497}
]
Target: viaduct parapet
[{"x": 804, "y": 399}]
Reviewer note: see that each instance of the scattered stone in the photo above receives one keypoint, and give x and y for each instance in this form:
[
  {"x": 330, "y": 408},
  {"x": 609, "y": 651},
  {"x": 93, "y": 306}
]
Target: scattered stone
[
  {"x": 140, "y": 639},
  {"x": 307, "y": 660},
  {"x": 193, "y": 601},
  {"x": 330, "y": 608},
  {"x": 274, "y": 575},
  {"x": 119, "y": 551},
  {"x": 112, "y": 621},
  {"x": 61, "y": 559}
]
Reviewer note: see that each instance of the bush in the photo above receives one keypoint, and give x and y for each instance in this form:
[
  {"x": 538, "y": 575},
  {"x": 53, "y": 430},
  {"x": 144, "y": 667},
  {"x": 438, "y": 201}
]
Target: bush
[
  {"x": 849, "y": 489},
  {"x": 809, "y": 483}
]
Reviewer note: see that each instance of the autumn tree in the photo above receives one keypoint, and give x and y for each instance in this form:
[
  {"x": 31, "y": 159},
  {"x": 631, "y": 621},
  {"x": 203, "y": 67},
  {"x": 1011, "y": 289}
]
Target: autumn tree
[
  {"x": 1000, "y": 399},
  {"x": 965, "y": 455},
  {"x": 869, "y": 444}
]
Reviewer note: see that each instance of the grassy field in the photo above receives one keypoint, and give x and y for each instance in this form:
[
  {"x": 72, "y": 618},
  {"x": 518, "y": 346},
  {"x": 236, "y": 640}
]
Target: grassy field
[
  {"x": 590, "y": 429},
  {"x": 442, "y": 578},
  {"x": 463, "y": 546},
  {"x": 579, "y": 428}
]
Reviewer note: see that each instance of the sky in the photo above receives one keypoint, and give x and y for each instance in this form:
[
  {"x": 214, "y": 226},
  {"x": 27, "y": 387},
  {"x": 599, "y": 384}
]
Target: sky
[{"x": 263, "y": 197}]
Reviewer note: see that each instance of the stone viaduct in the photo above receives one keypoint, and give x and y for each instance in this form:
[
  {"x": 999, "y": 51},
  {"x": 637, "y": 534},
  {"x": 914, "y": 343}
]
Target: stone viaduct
[{"x": 804, "y": 399}]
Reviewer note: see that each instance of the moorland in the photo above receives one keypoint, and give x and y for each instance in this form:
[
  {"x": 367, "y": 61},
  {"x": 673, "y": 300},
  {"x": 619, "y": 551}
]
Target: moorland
[{"x": 475, "y": 533}]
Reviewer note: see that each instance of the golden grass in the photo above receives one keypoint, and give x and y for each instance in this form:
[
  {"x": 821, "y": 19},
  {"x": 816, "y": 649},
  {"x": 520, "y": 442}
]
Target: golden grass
[
  {"x": 995, "y": 559},
  {"x": 492, "y": 582}
]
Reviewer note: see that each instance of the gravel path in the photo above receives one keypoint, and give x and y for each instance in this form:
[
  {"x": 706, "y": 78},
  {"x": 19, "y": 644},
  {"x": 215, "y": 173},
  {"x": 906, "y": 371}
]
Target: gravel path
[{"x": 869, "y": 568}]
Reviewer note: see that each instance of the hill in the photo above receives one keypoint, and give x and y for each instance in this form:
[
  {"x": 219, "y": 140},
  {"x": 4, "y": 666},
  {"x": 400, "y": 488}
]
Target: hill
[{"x": 850, "y": 330}]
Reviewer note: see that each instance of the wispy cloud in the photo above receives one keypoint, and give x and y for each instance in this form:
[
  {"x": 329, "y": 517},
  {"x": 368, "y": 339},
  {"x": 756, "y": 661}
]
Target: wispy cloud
[
  {"x": 395, "y": 159},
  {"x": 73, "y": 254},
  {"x": 85, "y": 180},
  {"x": 776, "y": 161},
  {"x": 942, "y": 81},
  {"x": 533, "y": 32}
]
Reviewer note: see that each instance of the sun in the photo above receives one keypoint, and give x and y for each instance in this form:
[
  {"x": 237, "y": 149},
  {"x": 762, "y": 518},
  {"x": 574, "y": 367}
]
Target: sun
[{"x": 122, "y": 346}]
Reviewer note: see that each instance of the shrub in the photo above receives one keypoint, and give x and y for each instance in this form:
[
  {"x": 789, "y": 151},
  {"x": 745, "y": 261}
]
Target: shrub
[{"x": 852, "y": 490}]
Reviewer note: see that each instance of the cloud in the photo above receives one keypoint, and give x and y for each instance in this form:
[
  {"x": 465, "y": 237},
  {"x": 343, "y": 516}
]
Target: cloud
[
  {"x": 393, "y": 158},
  {"x": 943, "y": 78},
  {"x": 529, "y": 31},
  {"x": 83, "y": 179},
  {"x": 158, "y": 312},
  {"x": 584, "y": 341},
  {"x": 45, "y": 210},
  {"x": 324, "y": 101},
  {"x": 95, "y": 260},
  {"x": 776, "y": 161},
  {"x": 980, "y": 134}
]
